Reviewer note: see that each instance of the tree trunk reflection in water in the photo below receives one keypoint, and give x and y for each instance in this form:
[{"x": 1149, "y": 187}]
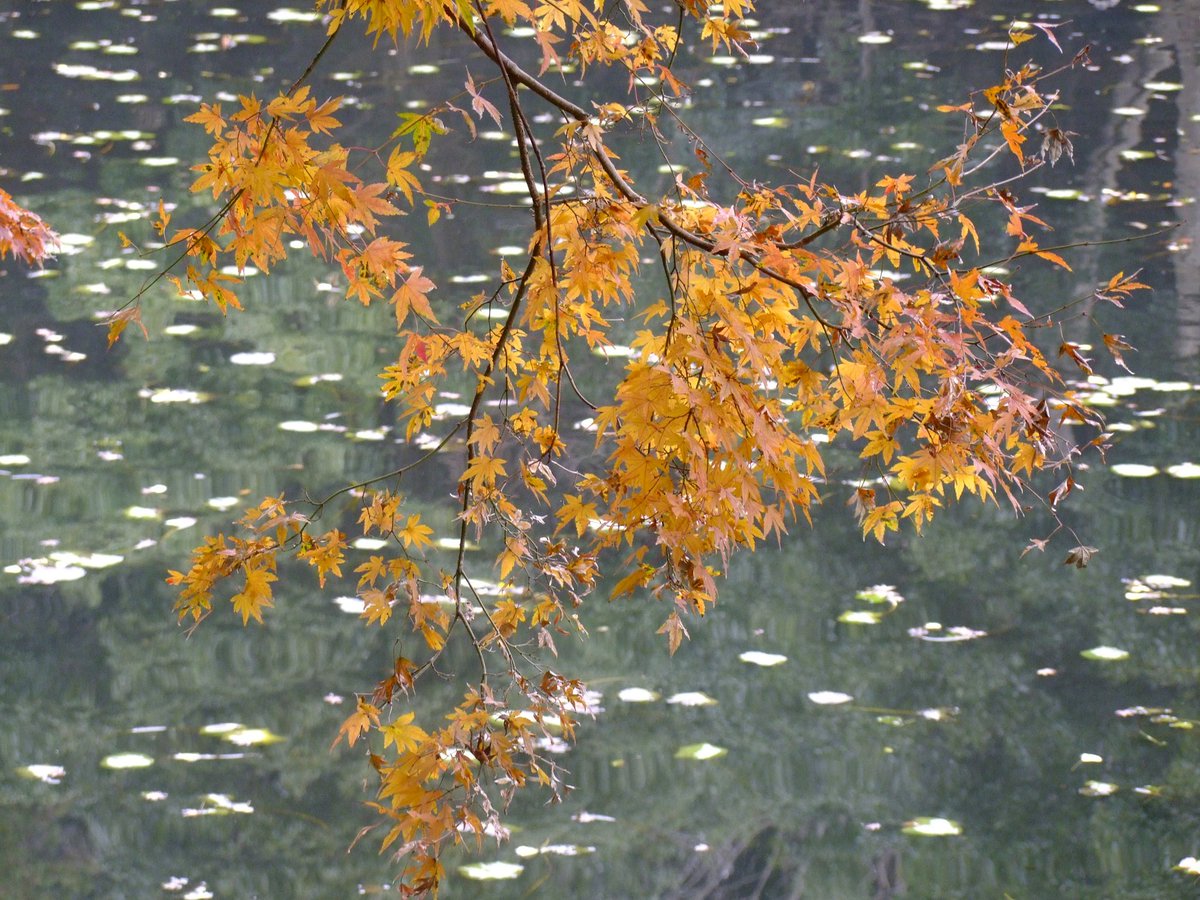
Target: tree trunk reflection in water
[{"x": 1182, "y": 40}]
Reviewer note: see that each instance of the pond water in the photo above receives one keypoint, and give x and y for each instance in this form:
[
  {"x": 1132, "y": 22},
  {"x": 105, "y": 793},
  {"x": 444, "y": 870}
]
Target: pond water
[{"x": 939, "y": 714}]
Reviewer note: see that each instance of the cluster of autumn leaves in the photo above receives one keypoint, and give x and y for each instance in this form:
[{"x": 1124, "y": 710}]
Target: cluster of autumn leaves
[{"x": 768, "y": 328}]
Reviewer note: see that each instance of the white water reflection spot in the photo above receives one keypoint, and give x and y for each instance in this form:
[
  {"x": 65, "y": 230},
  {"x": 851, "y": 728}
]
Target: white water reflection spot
[
  {"x": 1105, "y": 654},
  {"x": 932, "y": 826},
  {"x": 691, "y": 698},
  {"x": 1189, "y": 865},
  {"x": 585, "y": 818},
  {"x": 758, "y": 658},
  {"x": 38, "y": 572},
  {"x": 704, "y": 751},
  {"x": 637, "y": 695},
  {"x": 1098, "y": 789},
  {"x": 299, "y": 426},
  {"x": 45, "y": 773},
  {"x": 829, "y": 698},
  {"x": 1133, "y": 470},
  {"x": 491, "y": 871},
  {"x": 262, "y": 358},
  {"x": 127, "y": 761}
]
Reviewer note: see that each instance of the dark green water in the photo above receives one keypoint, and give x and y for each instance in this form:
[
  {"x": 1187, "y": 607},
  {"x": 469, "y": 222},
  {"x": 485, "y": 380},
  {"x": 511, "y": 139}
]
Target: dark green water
[{"x": 1064, "y": 776}]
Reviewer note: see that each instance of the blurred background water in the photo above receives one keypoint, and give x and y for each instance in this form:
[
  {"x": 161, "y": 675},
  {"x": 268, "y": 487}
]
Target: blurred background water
[{"x": 1007, "y": 727}]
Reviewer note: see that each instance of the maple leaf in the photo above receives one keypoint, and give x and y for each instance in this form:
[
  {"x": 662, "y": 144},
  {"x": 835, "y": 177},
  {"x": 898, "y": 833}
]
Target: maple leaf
[
  {"x": 23, "y": 233},
  {"x": 675, "y": 631},
  {"x": 1115, "y": 343},
  {"x": 402, "y": 734},
  {"x": 575, "y": 511},
  {"x": 1080, "y": 556},
  {"x": 412, "y": 296},
  {"x": 484, "y": 470},
  {"x": 415, "y": 533},
  {"x": 365, "y": 716},
  {"x": 256, "y": 595}
]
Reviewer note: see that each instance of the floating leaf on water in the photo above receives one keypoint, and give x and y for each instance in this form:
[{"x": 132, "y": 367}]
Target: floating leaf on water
[
  {"x": 931, "y": 826},
  {"x": 45, "y": 773},
  {"x": 220, "y": 728},
  {"x": 938, "y": 713},
  {"x": 875, "y": 37},
  {"x": 252, "y": 737},
  {"x": 174, "y": 395},
  {"x": 143, "y": 512},
  {"x": 1046, "y": 672},
  {"x": 1164, "y": 582},
  {"x": 88, "y": 561},
  {"x": 286, "y": 14},
  {"x": 880, "y": 593},
  {"x": 366, "y": 543},
  {"x": 1148, "y": 790},
  {"x": 1189, "y": 865},
  {"x": 953, "y": 634},
  {"x": 450, "y": 410},
  {"x": 14, "y": 459},
  {"x": 1105, "y": 654},
  {"x": 691, "y": 698},
  {"x": 525, "y": 851},
  {"x": 262, "y": 358},
  {"x": 299, "y": 426},
  {"x": 700, "y": 751},
  {"x": 180, "y": 522},
  {"x": 190, "y": 757},
  {"x": 219, "y": 804},
  {"x": 37, "y": 572},
  {"x": 860, "y": 617},
  {"x": 1088, "y": 759},
  {"x": 1133, "y": 470},
  {"x": 1098, "y": 789},
  {"x": 154, "y": 796},
  {"x": 310, "y": 380},
  {"x": 585, "y": 818},
  {"x": 1164, "y": 86},
  {"x": 352, "y": 605},
  {"x": 637, "y": 695},
  {"x": 1184, "y": 470},
  {"x": 127, "y": 761},
  {"x": 758, "y": 658},
  {"x": 1065, "y": 194},
  {"x": 829, "y": 698},
  {"x": 491, "y": 871}
]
